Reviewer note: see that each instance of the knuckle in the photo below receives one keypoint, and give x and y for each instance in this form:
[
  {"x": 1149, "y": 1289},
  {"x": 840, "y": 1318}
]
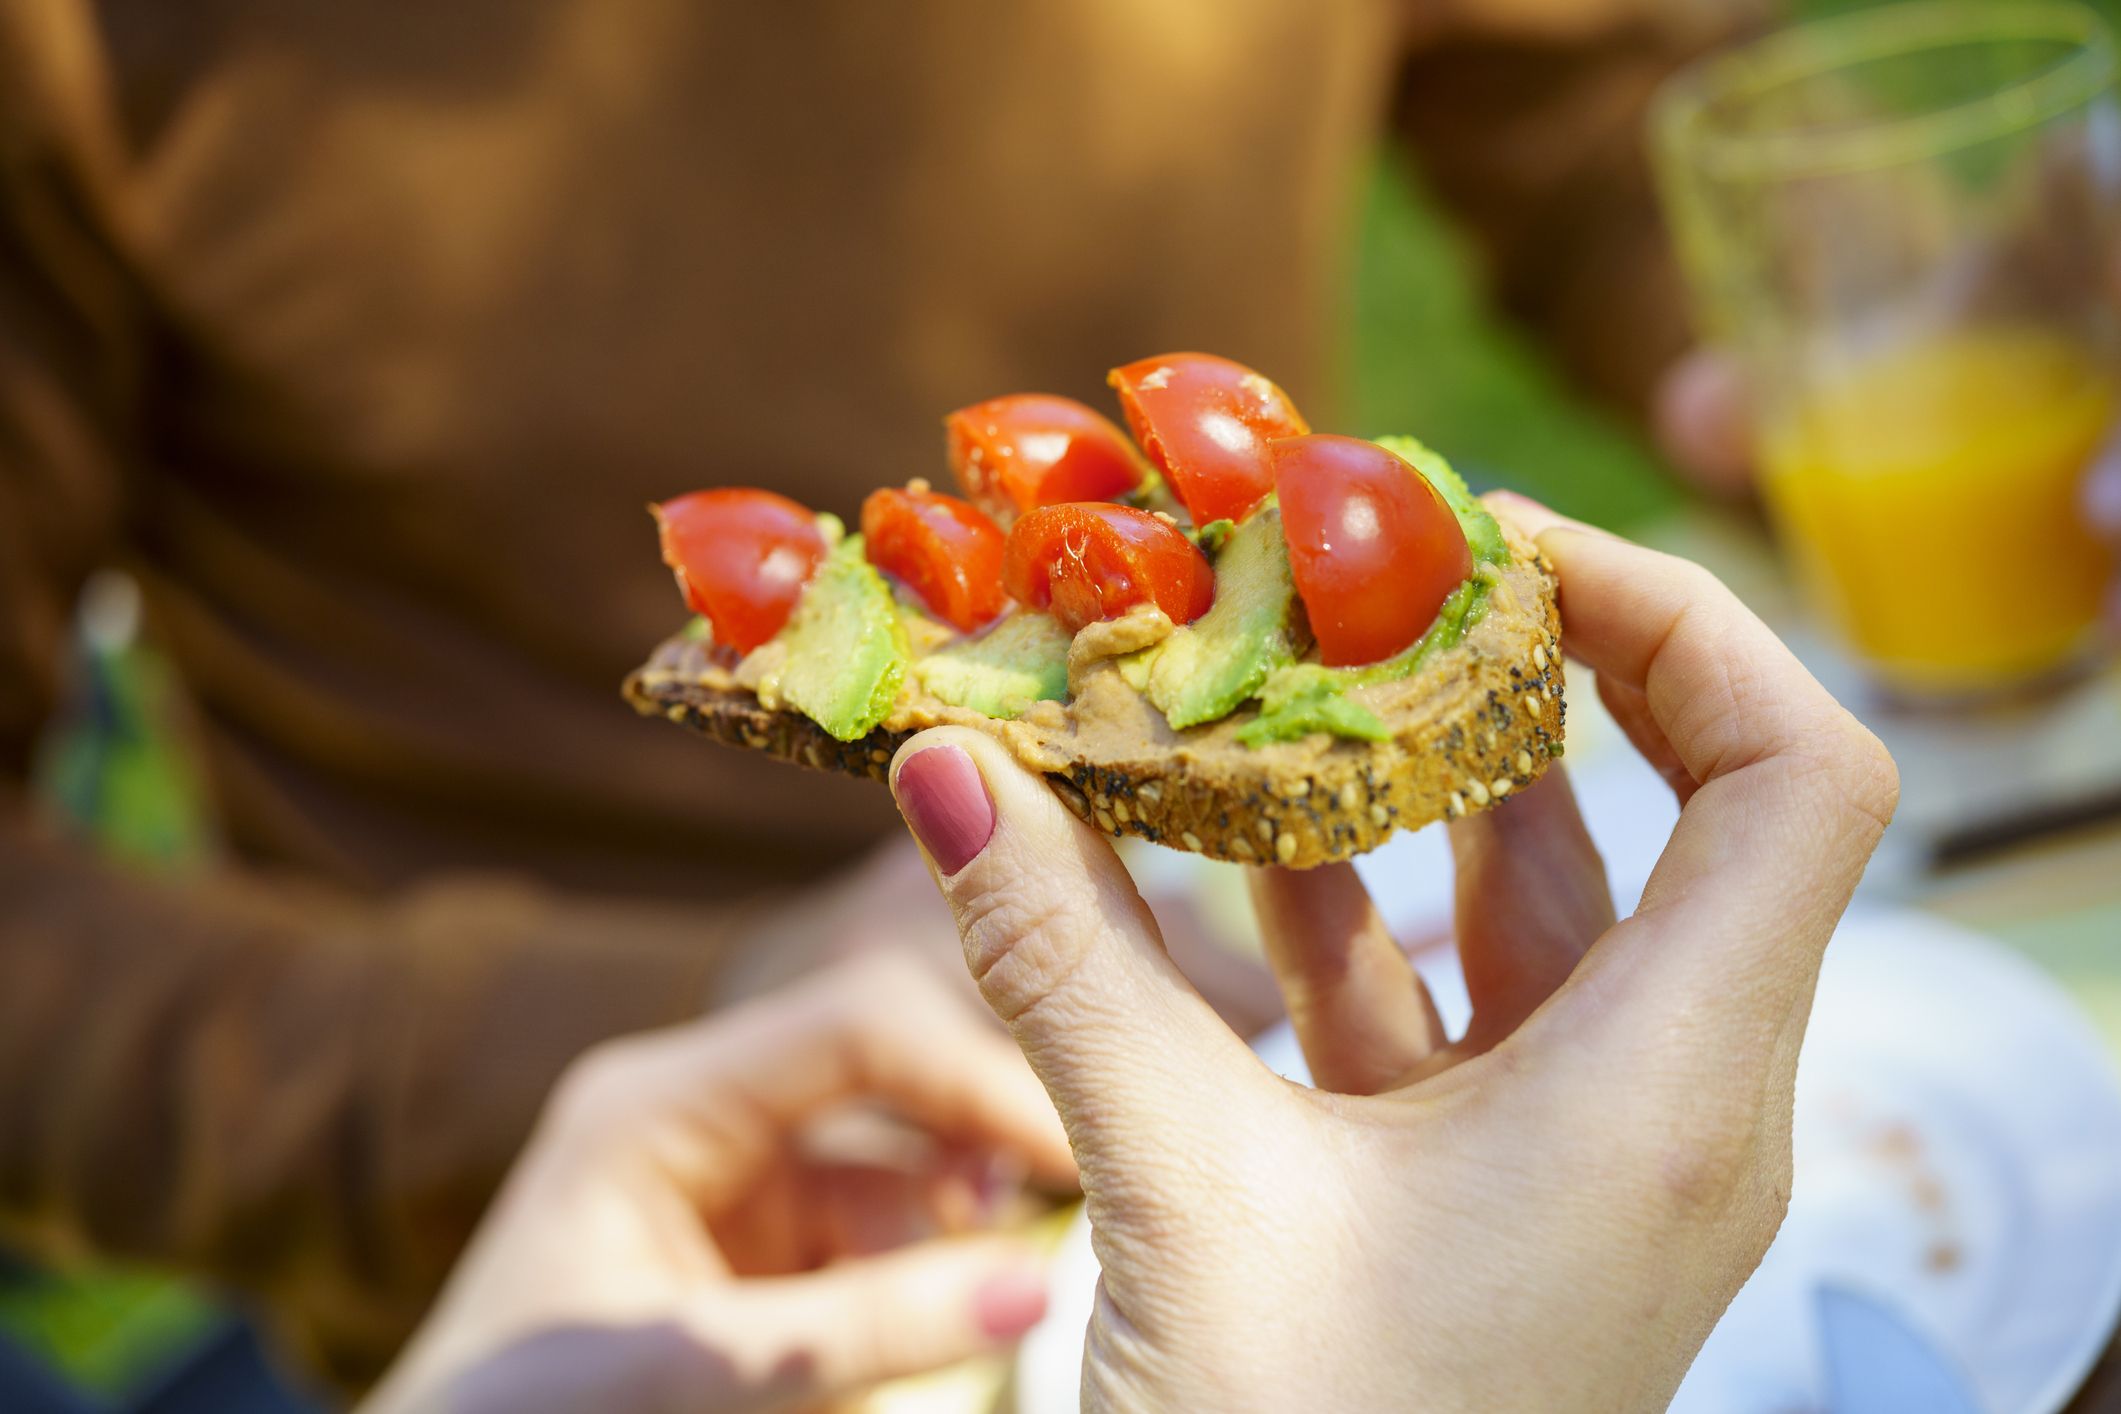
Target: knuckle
[
  {"x": 609, "y": 1062},
  {"x": 1751, "y": 1211},
  {"x": 1772, "y": 1204},
  {"x": 1022, "y": 949},
  {"x": 1123, "y": 1367},
  {"x": 1707, "y": 610},
  {"x": 1701, "y": 1176},
  {"x": 1849, "y": 765},
  {"x": 1700, "y": 584},
  {"x": 1873, "y": 777},
  {"x": 597, "y": 1080},
  {"x": 1707, "y": 1158}
]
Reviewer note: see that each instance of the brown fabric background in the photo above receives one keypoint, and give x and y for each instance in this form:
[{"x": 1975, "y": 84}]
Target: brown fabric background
[{"x": 362, "y": 333}]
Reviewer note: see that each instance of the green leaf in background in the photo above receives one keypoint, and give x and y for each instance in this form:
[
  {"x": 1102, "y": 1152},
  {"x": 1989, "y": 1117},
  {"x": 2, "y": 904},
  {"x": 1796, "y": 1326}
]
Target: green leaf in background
[
  {"x": 106, "y": 1331},
  {"x": 115, "y": 769},
  {"x": 1429, "y": 358}
]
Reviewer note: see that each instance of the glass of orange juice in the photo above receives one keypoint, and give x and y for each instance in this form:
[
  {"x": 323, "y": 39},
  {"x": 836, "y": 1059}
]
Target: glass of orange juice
[{"x": 1903, "y": 223}]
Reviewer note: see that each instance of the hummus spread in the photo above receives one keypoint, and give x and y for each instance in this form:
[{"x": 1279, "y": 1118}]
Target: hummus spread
[{"x": 1108, "y": 722}]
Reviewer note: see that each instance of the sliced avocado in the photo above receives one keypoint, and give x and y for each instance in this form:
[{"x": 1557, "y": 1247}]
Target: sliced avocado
[
  {"x": 1202, "y": 671},
  {"x": 1297, "y": 701},
  {"x": 1307, "y": 697},
  {"x": 847, "y": 649},
  {"x": 1134, "y": 667},
  {"x": 1019, "y": 661},
  {"x": 1483, "y": 535}
]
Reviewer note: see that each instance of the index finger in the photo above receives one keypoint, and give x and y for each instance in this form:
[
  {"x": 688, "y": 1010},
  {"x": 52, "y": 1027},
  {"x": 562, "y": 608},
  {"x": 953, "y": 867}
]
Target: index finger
[
  {"x": 1794, "y": 792},
  {"x": 876, "y": 1029}
]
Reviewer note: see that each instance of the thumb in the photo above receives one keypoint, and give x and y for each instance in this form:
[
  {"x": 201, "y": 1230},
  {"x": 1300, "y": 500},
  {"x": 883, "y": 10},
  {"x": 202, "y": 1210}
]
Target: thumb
[
  {"x": 1064, "y": 949},
  {"x": 881, "y": 1318}
]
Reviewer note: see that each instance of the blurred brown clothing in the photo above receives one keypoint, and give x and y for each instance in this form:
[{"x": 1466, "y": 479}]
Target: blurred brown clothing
[{"x": 361, "y": 333}]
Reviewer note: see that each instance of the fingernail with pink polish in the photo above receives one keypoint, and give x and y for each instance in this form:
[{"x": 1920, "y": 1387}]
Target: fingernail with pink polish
[
  {"x": 945, "y": 801},
  {"x": 1010, "y": 1303}
]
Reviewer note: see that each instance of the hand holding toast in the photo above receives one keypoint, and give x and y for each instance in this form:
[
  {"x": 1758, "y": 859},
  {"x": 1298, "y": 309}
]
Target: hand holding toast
[{"x": 1550, "y": 1213}]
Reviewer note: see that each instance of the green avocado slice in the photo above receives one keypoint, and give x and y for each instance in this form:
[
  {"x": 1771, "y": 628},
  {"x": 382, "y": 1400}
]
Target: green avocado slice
[
  {"x": 1204, "y": 670},
  {"x": 1303, "y": 698},
  {"x": 847, "y": 651},
  {"x": 1308, "y": 697},
  {"x": 1019, "y": 661}
]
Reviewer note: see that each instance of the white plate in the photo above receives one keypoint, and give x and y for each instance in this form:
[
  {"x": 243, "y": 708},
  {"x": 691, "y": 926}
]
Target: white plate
[
  {"x": 1958, "y": 1147},
  {"x": 1958, "y": 1154}
]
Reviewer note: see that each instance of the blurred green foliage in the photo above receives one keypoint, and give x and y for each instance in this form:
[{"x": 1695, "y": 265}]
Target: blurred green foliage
[
  {"x": 115, "y": 769},
  {"x": 106, "y": 1331},
  {"x": 1429, "y": 360}
]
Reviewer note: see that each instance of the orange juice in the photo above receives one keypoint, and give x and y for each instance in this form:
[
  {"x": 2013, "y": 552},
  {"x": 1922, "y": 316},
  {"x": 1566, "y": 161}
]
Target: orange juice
[{"x": 1931, "y": 498}]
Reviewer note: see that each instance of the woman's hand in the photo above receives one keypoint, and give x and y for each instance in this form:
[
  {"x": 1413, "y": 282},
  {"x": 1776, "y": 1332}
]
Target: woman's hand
[
  {"x": 1550, "y": 1214},
  {"x": 664, "y": 1242}
]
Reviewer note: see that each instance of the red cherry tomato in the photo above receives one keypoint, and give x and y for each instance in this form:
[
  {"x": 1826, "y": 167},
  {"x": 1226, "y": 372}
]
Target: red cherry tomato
[
  {"x": 741, "y": 558},
  {"x": 1091, "y": 560},
  {"x": 1374, "y": 548},
  {"x": 945, "y": 550},
  {"x": 1016, "y": 453},
  {"x": 1206, "y": 422}
]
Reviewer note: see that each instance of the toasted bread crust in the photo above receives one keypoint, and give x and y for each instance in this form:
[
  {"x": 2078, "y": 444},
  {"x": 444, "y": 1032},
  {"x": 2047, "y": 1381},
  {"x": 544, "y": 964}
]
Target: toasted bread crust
[{"x": 1502, "y": 727}]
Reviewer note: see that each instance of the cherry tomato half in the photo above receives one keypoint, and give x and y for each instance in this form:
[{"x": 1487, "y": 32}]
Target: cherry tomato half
[
  {"x": 1028, "y": 450},
  {"x": 945, "y": 550},
  {"x": 1375, "y": 550},
  {"x": 1091, "y": 560},
  {"x": 741, "y": 557},
  {"x": 1205, "y": 422}
]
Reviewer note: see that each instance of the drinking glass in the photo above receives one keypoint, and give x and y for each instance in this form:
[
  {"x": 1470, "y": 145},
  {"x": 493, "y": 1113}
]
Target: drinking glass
[{"x": 1902, "y": 223}]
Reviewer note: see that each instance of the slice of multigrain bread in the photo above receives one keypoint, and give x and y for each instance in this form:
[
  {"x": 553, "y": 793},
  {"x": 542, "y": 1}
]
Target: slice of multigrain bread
[{"x": 1477, "y": 722}]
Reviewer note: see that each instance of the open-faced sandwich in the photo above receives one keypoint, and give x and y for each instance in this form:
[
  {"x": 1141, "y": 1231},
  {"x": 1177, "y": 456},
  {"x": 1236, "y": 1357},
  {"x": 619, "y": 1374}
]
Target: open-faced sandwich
[{"x": 1228, "y": 635}]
